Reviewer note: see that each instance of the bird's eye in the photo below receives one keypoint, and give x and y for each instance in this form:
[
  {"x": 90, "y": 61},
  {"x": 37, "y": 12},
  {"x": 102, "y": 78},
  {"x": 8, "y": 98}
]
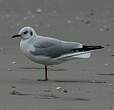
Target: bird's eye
[
  {"x": 31, "y": 33},
  {"x": 25, "y": 32}
]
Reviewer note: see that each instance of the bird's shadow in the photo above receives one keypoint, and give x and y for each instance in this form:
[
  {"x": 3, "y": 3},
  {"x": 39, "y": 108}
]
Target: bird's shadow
[
  {"x": 41, "y": 68},
  {"x": 73, "y": 81},
  {"x": 29, "y": 68},
  {"x": 41, "y": 81},
  {"x": 57, "y": 80}
]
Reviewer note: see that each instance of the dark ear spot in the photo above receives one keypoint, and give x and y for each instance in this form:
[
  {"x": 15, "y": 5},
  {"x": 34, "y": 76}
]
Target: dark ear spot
[{"x": 31, "y": 33}]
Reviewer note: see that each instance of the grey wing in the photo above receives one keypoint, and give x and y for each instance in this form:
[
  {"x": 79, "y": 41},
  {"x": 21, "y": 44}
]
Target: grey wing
[
  {"x": 54, "y": 48},
  {"x": 45, "y": 42}
]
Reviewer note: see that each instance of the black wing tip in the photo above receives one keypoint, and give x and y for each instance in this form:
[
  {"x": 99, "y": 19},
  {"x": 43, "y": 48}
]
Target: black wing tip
[
  {"x": 87, "y": 48},
  {"x": 101, "y": 47},
  {"x": 92, "y": 47}
]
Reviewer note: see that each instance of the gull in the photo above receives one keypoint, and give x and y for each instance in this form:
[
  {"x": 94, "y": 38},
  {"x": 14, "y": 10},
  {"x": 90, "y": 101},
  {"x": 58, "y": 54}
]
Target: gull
[{"x": 50, "y": 51}]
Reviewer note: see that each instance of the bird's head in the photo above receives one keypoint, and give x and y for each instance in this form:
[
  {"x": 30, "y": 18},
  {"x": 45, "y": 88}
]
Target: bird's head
[{"x": 25, "y": 33}]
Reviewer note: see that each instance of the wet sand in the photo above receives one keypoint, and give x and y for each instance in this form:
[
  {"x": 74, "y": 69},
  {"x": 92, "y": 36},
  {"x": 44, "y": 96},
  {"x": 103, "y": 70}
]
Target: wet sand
[{"x": 86, "y": 84}]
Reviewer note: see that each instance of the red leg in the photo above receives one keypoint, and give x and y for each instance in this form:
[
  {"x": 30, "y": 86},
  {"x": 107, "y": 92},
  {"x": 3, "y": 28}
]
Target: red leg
[{"x": 46, "y": 74}]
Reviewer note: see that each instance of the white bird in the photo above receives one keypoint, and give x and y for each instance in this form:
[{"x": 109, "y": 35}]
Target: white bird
[{"x": 50, "y": 51}]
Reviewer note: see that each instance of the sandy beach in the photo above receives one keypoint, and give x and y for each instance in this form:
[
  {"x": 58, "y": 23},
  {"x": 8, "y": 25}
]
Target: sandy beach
[{"x": 86, "y": 84}]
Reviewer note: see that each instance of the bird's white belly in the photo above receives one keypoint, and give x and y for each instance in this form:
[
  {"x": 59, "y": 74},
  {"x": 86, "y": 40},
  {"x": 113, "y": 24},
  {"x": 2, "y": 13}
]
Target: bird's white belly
[{"x": 44, "y": 60}]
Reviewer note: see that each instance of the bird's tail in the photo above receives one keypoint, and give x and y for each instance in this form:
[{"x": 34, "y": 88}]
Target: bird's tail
[{"x": 84, "y": 52}]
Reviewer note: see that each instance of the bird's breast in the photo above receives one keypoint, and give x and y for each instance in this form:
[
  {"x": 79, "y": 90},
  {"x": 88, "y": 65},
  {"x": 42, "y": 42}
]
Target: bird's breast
[{"x": 25, "y": 47}]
